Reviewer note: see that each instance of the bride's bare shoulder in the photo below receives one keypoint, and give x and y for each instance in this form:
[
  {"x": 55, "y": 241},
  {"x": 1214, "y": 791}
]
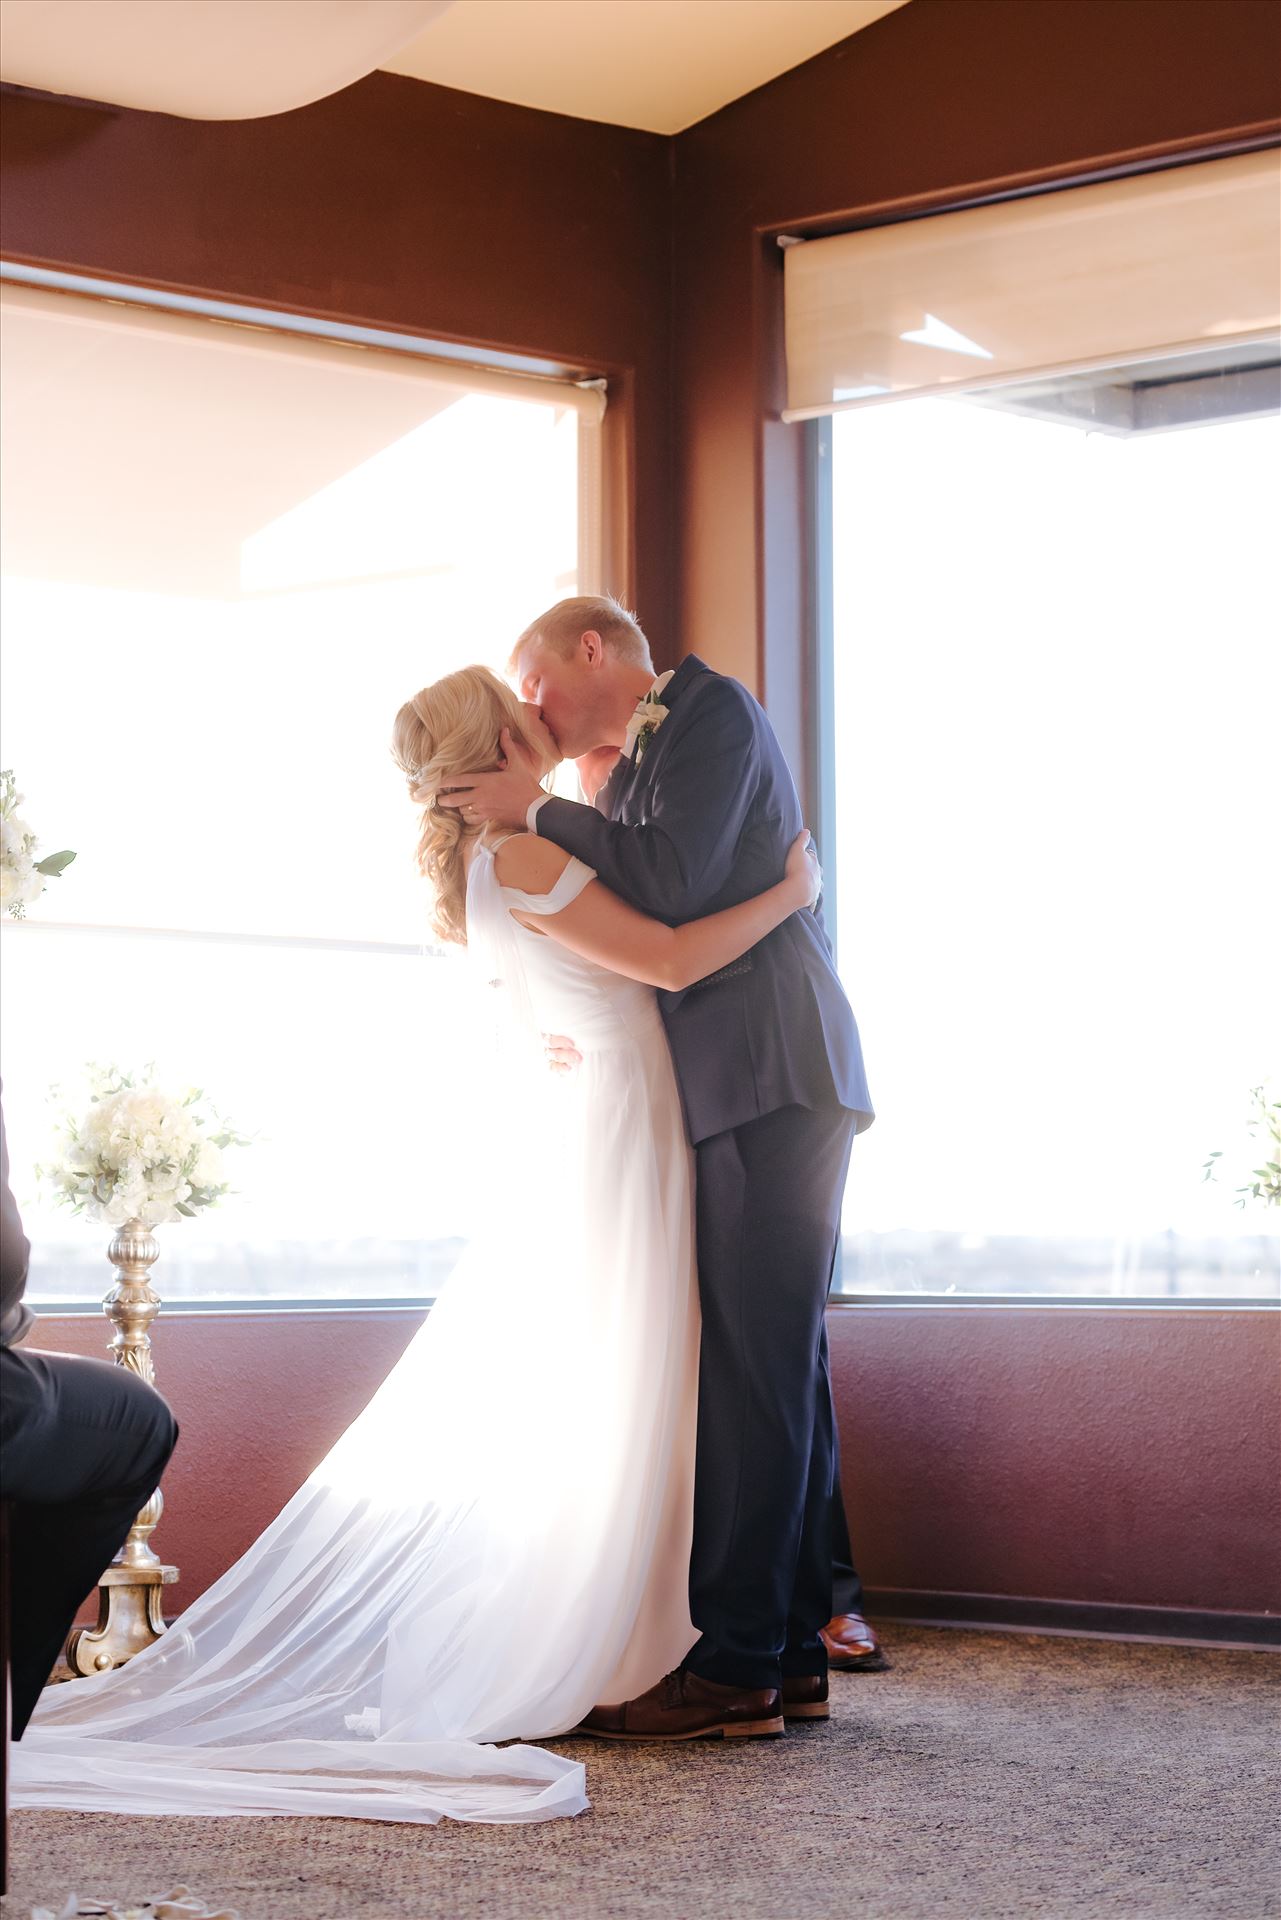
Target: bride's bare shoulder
[{"x": 532, "y": 864}]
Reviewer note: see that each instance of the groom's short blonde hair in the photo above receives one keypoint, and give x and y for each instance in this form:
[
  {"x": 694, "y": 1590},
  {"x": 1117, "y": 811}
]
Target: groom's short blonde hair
[{"x": 563, "y": 625}]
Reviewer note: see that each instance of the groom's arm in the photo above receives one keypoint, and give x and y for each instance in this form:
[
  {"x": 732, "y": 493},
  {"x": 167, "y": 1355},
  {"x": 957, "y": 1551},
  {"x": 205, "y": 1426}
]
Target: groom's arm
[{"x": 683, "y": 856}]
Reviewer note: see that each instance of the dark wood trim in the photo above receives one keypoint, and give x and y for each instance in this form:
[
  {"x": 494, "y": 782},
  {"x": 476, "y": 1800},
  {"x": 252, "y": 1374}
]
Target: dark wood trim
[
  {"x": 1157, "y": 157},
  {"x": 1099, "y": 1619}
]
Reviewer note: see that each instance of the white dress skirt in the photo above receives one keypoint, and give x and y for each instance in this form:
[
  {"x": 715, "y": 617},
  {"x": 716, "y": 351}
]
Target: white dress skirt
[{"x": 501, "y": 1539}]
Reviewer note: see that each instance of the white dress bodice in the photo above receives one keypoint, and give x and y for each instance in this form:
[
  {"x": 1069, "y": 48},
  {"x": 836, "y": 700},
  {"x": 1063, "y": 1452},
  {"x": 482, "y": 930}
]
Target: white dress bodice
[{"x": 565, "y": 994}]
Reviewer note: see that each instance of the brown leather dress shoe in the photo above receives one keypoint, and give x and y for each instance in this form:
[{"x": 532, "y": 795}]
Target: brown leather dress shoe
[
  {"x": 852, "y": 1646},
  {"x": 683, "y": 1707},
  {"x": 805, "y": 1697}
]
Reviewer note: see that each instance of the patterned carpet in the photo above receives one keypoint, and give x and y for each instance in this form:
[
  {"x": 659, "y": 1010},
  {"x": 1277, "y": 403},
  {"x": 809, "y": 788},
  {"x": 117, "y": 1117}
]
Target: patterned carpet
[{"x": 987, "y": 1777}]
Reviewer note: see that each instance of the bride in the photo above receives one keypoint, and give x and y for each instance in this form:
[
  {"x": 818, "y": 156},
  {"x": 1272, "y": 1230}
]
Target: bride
[{"x": 501, "y": 1539}]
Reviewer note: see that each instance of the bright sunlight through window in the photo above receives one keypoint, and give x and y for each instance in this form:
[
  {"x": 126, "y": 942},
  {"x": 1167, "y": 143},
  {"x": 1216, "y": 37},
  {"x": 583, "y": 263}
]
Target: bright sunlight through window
[
  {"x": 1057, "y": 688},
  {"x": 228, "y": 558}
]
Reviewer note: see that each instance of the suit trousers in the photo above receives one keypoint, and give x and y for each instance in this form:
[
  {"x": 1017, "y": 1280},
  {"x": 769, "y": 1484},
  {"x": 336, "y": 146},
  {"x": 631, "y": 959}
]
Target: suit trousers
[
  {"x": 768, "y": 1208},
  {"x": 82, "y": 1446},
  {"x": 847, "y": 1588}
]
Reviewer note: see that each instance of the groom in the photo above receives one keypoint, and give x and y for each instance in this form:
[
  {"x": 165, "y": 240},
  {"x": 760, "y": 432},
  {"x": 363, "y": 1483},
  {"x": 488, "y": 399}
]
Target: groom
[{"x": 697, "y": 814}]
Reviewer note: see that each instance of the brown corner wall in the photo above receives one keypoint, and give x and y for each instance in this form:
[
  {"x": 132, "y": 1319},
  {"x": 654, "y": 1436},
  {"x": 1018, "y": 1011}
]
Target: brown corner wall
[
  {"x": 395, "y": 204},
  {"x": 940, "y": 102},
  {"x": 1106, "y": 1456}
]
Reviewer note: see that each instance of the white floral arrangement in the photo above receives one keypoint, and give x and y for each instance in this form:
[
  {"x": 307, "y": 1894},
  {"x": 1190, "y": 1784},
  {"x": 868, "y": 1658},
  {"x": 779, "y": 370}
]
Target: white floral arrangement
[
  {"x": 22, "y": 876},
  {"x": 139, "y": 1152}
]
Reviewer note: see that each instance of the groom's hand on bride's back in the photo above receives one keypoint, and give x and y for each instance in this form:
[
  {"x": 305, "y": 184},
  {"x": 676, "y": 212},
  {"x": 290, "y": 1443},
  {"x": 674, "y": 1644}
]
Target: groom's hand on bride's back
[
  {"x": 502, "y": 796},
  {"x": 803, "y": 868},
  {"x": 594, "y": 769}
]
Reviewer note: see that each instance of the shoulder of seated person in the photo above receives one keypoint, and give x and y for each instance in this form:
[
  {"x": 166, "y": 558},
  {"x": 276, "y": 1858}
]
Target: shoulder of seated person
[{"x": 530, "y": 863}]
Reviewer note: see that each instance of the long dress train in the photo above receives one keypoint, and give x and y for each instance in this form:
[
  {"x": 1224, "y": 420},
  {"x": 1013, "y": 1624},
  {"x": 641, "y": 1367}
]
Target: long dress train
[{"x": 502, "y": 1537}]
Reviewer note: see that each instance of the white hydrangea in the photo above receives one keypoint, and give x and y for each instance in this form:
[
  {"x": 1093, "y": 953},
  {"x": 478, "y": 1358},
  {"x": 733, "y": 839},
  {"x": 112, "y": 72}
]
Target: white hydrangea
[
  {"x": 139, "y": 1153},
  {"x": 20, "y": 884}
]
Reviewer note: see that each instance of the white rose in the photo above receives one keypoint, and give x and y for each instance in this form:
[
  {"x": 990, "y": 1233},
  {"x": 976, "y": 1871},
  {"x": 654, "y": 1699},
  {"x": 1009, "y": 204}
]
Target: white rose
[{"x": 208, "y": 1168}]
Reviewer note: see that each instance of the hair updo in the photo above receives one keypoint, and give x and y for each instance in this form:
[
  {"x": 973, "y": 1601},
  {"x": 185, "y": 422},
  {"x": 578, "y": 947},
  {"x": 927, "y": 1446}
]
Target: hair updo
[{"x": 446, "y": 730}]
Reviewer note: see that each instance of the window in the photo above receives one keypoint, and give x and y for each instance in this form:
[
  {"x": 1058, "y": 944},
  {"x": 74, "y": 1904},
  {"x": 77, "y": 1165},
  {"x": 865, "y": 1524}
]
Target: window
[
  {"x": 1056, "y": 680},
  {"x": 229, "y": 555},
  {"x": 1049, "y": 681}
]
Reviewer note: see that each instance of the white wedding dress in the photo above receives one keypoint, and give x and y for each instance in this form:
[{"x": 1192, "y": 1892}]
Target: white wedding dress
[{"x": 501, "y": 1539}]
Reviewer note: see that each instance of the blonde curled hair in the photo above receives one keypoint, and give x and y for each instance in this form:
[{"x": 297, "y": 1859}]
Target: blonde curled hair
[{"x": 446, "y": 730}]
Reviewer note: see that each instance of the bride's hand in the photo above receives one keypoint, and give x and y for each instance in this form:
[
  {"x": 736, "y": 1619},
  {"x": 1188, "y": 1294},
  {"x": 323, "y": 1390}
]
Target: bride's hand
[
  {"x": 562, "y": 1055},
  {"x": 802, "y": 869}
]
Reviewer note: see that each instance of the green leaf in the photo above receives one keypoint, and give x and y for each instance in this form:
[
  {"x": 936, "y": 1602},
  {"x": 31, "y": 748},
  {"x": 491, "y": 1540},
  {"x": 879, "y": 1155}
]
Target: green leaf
[
  {"x": 189, "y": 1212},
  {"x": 53, "y": 864}
]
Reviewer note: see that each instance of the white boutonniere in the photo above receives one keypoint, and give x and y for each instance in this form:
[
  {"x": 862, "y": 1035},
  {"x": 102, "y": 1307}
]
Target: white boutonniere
[{"x": 647, "y": 719}]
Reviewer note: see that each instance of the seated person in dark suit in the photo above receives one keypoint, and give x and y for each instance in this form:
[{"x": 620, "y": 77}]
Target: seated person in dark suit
[{"x": 83, "y": 1444}]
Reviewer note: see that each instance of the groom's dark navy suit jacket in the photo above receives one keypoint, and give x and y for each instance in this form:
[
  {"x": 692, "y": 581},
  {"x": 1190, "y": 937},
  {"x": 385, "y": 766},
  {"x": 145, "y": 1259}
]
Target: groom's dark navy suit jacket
[{"x": 703, "y": 820}]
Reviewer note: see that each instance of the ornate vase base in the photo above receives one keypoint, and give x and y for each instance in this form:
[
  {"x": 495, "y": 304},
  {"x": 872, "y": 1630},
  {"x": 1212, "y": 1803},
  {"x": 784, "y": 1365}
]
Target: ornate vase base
[{"x": 129, "y": 1619}]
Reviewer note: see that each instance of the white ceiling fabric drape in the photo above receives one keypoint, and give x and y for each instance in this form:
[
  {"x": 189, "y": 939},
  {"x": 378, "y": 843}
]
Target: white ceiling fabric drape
[
  {"x": 1178, "y": 260},
  {"x": 205, "y": 59}
]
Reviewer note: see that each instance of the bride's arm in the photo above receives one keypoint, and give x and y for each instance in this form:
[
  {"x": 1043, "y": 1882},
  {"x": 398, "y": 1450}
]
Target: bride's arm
[{"x": 601, "y": 927}]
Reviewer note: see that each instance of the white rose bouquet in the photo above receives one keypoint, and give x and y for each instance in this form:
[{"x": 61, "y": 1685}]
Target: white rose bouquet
[
  {"x": 22, "y": 876},
  {"x": 139, "y": 1152}
]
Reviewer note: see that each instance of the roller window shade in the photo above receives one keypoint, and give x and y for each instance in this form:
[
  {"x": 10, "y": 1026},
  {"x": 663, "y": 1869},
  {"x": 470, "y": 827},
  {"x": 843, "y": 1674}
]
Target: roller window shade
[
  {"x": 389, "y": 359},
  {"x": 1160, "y": 263},
  {"x": 241, "y": 419}
]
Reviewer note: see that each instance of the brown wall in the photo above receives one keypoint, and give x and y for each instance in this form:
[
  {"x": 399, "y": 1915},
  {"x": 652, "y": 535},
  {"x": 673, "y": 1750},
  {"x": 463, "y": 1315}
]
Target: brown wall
[
  {"x": 395, "y": 204},
  {"x": 1123, "y": 1456},
  {"x": 1109, "y": 1455},
  {"x": 938, "y": 103}
]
